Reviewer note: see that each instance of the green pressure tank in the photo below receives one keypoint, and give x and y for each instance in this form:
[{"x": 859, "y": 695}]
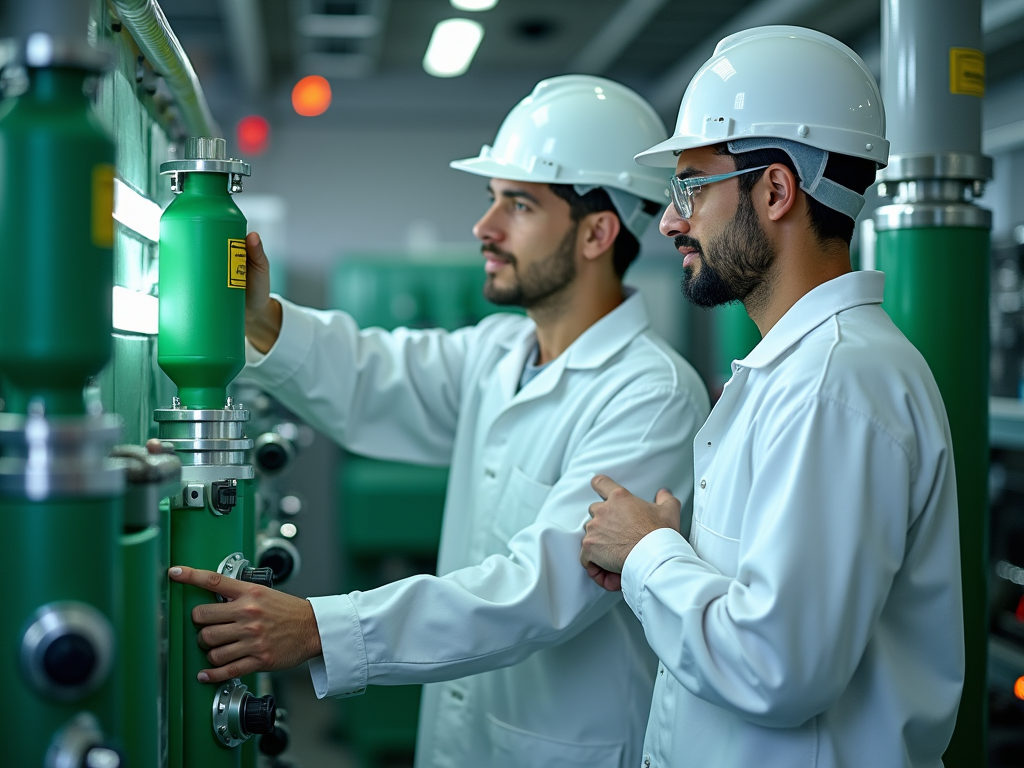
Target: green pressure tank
[
  {"x": 61, "y": 498},
  {"x": 201, "y": 338},
  {"x": 202, "y": 275},
  {"x": 56, "y": 262}
]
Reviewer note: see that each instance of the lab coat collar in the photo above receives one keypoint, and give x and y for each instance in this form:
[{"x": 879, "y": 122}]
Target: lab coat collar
[
  {"x": 595, "y": 346},
  {"x": 813, "y": 309}
]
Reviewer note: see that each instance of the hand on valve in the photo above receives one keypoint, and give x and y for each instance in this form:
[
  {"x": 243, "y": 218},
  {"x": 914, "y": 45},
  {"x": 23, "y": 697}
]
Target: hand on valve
[
  {"x": 258, "y": 630},
  {"x": 617, "y": 524}
]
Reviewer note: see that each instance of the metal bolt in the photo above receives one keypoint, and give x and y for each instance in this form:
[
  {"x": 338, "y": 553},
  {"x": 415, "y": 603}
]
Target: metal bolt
[
  {"x": 176, "y": 403},
  {"x": 229, "y": 404},
  {"x": 221, "y": 707},
  {"x": 869, "y": 147},
  {"x": 802, "y": 130},
  {"x": 703, "y": 483},
  {"x": 222, "y": 730}
]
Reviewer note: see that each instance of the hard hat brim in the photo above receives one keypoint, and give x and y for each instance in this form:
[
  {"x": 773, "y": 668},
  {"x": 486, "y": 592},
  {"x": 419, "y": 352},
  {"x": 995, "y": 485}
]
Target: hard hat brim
[
  {"x": 485, "y": 166},
  {"x": 665, "y": 154}
]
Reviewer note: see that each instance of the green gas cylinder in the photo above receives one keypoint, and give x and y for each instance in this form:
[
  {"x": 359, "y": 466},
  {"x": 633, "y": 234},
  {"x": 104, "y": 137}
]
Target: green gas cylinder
[
  {"x": 202, "y": 275},
  {"x": 56, "y": 261}
]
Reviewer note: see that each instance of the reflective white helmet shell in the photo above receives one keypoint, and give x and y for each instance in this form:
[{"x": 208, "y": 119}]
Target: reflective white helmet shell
[
  {"x": 580, "y": 130},
  {"x": 780, "y": 82}
]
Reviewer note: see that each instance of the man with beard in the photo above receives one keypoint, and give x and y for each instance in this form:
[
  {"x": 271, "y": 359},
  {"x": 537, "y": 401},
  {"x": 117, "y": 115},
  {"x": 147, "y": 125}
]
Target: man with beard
[
  {"x": 543, "y": 667},
  {"x": 813, "y": 616}
]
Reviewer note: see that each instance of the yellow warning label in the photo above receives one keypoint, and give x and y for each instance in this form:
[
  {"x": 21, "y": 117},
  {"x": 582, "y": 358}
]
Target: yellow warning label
[
  {"x": 103, "y": 205},
  {"x": 966, "y": 72},
  {"x": 236, "y": 263}
]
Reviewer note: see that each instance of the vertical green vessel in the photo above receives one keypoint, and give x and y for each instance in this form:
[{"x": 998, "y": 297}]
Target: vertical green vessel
[
  {"x": 202, "y": 275},
  {"x": 201, "y": 338},
  {"x": 933, "y": 245},
  {"x": 61, "y": 498}
]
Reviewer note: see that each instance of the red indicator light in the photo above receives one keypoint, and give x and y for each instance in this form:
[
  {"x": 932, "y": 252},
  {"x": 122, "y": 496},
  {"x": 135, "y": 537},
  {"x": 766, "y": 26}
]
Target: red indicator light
[
  {"x": 1018, "y": 688},
  {"x": 311, "y": 96},
  {"x": 253, "y": 134}
]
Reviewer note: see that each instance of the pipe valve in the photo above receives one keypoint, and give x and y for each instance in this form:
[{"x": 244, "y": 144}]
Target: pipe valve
[{"x": 238, "y": 714}]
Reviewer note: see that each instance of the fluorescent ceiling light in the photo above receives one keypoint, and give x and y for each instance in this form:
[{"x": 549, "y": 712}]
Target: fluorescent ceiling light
[
  {"x": 139, "y": 214},
  {"x": 452, "y": 47},
  {"x": 474, "y": 5},
  {"x": 135, "y": 312}
]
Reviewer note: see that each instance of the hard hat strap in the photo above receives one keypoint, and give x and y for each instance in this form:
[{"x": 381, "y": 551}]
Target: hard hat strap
[{"x": 810, "y": 164}]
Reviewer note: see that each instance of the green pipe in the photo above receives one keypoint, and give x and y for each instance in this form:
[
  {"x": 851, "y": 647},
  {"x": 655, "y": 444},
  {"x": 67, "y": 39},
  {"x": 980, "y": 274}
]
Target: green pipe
[
  {"x": 200, "y": 539},
  {"x": 82, "y": 564},
  {"x": 936, "y": 291},
  {"x": 56, "y": 263},
  {"x": 141, "y": 668},
  {"x": 202, "y": 295},
  {"x": 247, "y": 507}
]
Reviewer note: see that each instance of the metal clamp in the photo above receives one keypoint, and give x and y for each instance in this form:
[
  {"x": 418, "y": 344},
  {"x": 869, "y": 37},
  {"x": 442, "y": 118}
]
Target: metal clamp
[{"x": 227, "y": 712}]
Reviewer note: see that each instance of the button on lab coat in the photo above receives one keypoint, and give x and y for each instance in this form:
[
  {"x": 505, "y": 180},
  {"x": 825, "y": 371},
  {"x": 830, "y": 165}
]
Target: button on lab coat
[
  {"x": 814, "y": 618},
  {"x": 545, "y": 667}
]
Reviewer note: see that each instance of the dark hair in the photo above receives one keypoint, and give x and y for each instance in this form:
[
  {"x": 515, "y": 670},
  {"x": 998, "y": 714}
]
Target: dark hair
[
  {"x": 626, "y": 248},
  {"x": 827, "y": 223}
]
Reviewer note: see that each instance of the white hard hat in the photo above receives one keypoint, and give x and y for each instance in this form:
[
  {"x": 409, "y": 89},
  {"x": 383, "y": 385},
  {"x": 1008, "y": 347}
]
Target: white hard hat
[
  {"x": 785, "y": 86},
  {"x": 584, "y": 131}
]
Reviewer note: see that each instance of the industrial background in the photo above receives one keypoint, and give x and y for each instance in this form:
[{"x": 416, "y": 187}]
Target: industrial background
[{"x": 351, "y": 191}]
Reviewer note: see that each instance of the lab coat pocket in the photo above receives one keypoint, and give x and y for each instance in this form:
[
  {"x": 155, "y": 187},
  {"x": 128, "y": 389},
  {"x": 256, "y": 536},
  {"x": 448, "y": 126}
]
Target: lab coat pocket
[
  {"x": 513, "y": 747},
  {"x": 519, "y": 504}
]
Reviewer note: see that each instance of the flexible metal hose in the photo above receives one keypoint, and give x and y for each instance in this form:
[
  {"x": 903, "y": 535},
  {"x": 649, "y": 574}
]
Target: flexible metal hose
[{"x": 147, "y": 24}]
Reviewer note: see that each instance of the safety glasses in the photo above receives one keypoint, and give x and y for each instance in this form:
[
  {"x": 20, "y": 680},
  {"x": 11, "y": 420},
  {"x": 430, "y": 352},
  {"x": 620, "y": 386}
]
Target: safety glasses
[{"x": 683, "y": 190}]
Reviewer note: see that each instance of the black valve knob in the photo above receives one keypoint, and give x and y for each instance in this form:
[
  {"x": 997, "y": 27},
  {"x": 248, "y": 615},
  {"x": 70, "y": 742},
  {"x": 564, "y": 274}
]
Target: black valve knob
[
  {"x": 280, "y": 561},
  {"x": 102, "y": 757},
  {"x": 275, "y": 742},
  {"x": 262, "y": 576},
  {"x": 70, "y": 660},
  {"x": 258, "y": 714}
]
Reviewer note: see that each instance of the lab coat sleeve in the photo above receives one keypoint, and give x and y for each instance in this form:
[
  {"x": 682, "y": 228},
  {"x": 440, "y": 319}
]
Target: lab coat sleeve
[
  {"x": 823, "y": 536},
  {"x": 391, "y": 395},
  {"x": 495, "y": 614}
]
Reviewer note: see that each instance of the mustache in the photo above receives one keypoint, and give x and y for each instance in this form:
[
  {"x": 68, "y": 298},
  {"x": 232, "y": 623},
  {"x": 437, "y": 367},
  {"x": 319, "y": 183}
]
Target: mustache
[
  {"x": 685, "y": 241},
  {"x": 492, "y": 248}
]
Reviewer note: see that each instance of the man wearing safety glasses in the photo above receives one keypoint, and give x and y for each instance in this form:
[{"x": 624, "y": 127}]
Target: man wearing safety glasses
[
  {"x": 527, "y": 661},
  {"x": 813, "y": 616}
]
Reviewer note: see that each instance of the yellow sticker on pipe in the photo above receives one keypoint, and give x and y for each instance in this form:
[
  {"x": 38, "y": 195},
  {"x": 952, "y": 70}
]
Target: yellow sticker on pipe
[
  {"x": 966, "y": 72},
  {"x": 236, "y": 264},
  {"x": 103, "y": 205}
]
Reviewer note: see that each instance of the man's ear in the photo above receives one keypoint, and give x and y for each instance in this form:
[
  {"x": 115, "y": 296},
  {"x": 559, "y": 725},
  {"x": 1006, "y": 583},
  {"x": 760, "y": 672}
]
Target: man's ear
[
  {"x": 780, "y": 191},
  {"x": 597, "y": 233}
]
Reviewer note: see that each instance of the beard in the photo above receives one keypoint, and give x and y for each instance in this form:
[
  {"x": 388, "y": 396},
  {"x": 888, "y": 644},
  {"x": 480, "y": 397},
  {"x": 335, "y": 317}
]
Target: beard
[
  {"x": 538, "y": 282},
  {"x": 737, "y": 262}
]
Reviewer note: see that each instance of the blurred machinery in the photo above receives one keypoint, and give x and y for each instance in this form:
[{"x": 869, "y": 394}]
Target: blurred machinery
[{"x": 99, "y": 653}]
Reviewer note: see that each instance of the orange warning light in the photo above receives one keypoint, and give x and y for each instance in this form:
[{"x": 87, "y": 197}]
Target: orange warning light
[
  {"x": 1018, "y": 688},
  {"x": 311, "y": 96},
  {"x": 253, "y": 134}
]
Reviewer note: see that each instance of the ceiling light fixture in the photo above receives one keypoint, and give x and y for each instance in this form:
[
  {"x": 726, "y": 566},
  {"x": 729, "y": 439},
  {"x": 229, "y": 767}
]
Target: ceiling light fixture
[
  {"x": 452, "y": 47},
  {"x": 474, "y": 5}
]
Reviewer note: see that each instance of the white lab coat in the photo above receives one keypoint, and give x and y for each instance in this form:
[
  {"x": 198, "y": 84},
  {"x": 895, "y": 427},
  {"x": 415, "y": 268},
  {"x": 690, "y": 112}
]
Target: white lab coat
[
  {"x": 546, "y": 668},
  {"x": 814, "y": 618}
]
